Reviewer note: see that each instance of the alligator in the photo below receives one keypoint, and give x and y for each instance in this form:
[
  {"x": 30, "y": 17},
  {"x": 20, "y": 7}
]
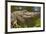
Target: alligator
[{"x": 23, "y": 16}]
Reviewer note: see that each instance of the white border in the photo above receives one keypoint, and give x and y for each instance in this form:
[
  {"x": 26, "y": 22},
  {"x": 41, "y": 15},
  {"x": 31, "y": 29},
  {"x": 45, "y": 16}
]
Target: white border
[{"x": 9, "y": 29}]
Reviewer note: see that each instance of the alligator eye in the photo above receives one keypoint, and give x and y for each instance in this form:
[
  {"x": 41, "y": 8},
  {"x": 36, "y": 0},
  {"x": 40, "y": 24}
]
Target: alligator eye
[{"x": 25, "y": 11}]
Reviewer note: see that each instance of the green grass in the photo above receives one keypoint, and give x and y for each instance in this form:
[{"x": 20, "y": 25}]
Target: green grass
[{"x": 33, "y": 23}]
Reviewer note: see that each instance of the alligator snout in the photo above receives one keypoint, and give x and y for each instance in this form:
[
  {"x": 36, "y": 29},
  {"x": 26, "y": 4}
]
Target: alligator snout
[{"x": 30, "y": 14}]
